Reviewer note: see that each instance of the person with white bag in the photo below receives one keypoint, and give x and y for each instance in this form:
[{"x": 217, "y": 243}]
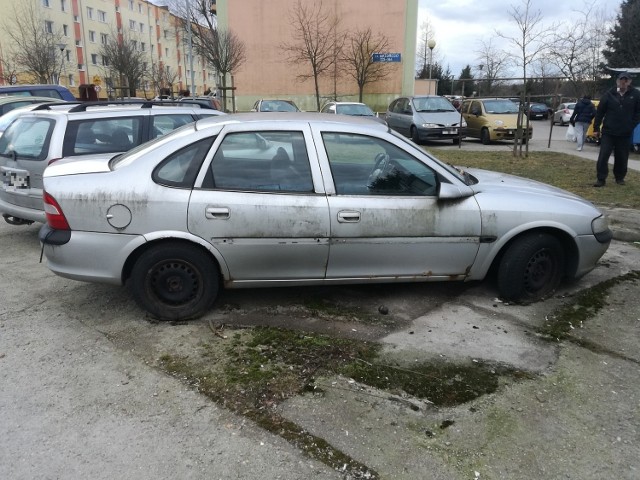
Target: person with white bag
[
  {"x": 571, "y": 133},
  {"x": 581, "y": 117}
]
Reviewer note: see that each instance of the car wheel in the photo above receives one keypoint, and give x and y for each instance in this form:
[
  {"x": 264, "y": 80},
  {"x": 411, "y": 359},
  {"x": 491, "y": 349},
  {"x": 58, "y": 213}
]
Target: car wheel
[
  {"x": 173, "y": 281},
  {"x": 414, "y": 135},
  {"x": 485, "y": 136},
  {"x": 456, "y": 141},
  {"x": 562, "y": 124},
  {"x": 531, "y": 268}
]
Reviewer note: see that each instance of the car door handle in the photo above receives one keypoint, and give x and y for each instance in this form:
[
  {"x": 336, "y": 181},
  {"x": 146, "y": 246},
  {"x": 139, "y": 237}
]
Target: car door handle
[
  {"x": 348, "y": 216},
  {"x": 217, "y": 213}
]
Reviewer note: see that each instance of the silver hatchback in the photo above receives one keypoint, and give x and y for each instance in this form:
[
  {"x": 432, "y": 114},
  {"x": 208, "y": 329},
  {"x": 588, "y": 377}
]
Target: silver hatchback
[{"x": 250, "y": 200}]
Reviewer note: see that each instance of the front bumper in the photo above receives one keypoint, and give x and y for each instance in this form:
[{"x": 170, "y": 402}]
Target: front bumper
[{"x": 444, "y": 133}]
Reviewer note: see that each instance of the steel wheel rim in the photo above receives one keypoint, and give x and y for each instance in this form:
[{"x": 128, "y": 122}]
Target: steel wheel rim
[{"x": 174, "y": 282}]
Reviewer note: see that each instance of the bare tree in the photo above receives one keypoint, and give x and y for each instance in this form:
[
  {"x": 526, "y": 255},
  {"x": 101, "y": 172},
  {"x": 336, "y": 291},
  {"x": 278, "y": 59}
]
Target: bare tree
[
  {"x": 424, "y": 55},
  {"x": 37, "y": 47},
  {"x": 577, "y": 51},
  {"x": 163, "y": 79},
  {"x": 314, "y": 41},
  {"x": 358, "y": 58},
  {"x": 532, "y": 36},
  {"x": 493, "y": 64},
  {"x": 222, "y": 49},
  {"x": 125, "y": 61}
]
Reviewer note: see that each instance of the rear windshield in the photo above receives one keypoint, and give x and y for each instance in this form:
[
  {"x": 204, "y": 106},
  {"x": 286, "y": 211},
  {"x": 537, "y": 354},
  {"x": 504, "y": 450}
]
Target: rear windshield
[{"x": 27, "y": 138}]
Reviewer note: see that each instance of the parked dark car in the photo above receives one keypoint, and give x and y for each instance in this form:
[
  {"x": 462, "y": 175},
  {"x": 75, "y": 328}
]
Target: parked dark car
[{"x": 537, "y": 111}]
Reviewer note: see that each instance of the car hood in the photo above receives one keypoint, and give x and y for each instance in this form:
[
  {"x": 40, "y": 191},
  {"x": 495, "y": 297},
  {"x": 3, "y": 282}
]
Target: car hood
[
  {"x": 520, "y": 189},
  {"x": 444, "y": 118}
]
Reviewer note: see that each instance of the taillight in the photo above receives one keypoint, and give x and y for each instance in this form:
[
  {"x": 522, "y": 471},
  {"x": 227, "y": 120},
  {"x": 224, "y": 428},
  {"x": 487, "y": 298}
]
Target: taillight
[{"x": 53, "y": 212}]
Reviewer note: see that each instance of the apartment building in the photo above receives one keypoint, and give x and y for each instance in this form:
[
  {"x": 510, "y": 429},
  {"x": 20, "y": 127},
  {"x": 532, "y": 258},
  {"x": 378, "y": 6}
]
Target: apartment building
[{"x": 84, "y": 26}]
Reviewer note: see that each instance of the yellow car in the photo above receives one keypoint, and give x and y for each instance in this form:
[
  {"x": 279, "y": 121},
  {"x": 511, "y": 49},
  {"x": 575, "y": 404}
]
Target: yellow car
[
  {"x": 491, "y": 119},
  {"x": 590, "y": 137}
]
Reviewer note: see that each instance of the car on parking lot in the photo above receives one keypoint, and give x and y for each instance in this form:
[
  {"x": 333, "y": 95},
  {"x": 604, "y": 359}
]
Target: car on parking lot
[
  {"x": 8, "y": 104},
  {"x": 207, "y": 100},
  {"x": 267, "y": 105},
  {"x": 493, "y": 119},
  {"x": 563, "y": 113},
  {"x": 250, "y": 200},
  {"x": 536, "y": 111},
  {"x": 9, "y": 117},
  {"x": 51, "y": 131},
  {"x": 354, "y": 109},
  {"x": 52, "y": 91},
  {"x": 425, "y": 118}
]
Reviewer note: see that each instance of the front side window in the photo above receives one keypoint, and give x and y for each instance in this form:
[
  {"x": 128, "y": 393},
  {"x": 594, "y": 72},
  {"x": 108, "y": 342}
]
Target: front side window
[
  {"x": 363, "y": 165},
  {"x": 262, "y": 161}
]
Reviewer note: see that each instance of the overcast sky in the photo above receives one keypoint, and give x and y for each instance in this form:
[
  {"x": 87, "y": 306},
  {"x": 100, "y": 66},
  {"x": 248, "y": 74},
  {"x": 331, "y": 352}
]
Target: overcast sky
[{"x": 460, "y": 25}]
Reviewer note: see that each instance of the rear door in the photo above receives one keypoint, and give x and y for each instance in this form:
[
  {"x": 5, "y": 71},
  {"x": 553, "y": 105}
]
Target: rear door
[{"x": 259, "y": 205}]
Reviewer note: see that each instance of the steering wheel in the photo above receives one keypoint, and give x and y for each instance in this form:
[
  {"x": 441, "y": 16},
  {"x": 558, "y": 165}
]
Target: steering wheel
[{"x": 381, "y": 164}]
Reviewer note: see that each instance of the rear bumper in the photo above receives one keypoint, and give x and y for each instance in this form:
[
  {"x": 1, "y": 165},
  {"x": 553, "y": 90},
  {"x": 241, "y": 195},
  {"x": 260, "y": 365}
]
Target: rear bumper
[
  {"x": 30, "y": 214},
  {"x": 88, "y": 256}
]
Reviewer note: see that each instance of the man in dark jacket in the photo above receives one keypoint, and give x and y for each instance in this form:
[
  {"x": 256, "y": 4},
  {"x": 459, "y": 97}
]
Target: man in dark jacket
[
  {"x": 583, "y": 113},
  {"x": 619, "y": 113}
]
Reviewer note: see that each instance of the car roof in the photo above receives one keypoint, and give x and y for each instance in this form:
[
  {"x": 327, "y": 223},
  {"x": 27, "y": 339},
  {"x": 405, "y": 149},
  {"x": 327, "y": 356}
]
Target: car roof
[
  {"x": 282, "y": 118},
  {"x": 120, "y": 106}
]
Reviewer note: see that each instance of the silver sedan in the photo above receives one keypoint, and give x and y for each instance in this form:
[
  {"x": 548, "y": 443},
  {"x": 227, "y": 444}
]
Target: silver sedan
[{"x": 252, "y": 200}]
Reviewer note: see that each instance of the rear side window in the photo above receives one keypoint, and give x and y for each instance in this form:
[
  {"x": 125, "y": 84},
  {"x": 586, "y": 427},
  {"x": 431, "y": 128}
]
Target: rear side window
[
  {"x": 102, "y": 135},
  {"x": 27, "y": 138},
  {"x": 180, "y": 169}
]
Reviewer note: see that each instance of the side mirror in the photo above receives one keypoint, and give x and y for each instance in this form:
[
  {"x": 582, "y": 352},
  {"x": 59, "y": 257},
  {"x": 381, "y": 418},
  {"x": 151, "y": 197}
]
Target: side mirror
[{"x": 448, "y": 191}]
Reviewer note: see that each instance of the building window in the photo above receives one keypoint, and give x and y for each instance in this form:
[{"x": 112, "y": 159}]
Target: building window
[
  {"x": 67, "y": 55},
  {"x": 45, "y": 3},
  {"x": 132, "y": 24},
  {"x": 104, "y": 38},
  {"x": 92, "y": 36},
  {"x": 166, "y": 34},
  {"x": 65, "y": 30},
  {"x": 72, "y": 81},
  {"x": 48, "y": 26},
  {"x": 105, "y": 61},
  {"x": 89, "y": 13},
  {"x": 63, "y": 5},
  {"x": 131, "y": 5},
  {"x": 141, "y": 27},
  {"x": 94, "y": 58},
  {"x": 134, "y": 44},
  {"x": 102, "y": 16},
  {"x": 166, "y": 52},
  {"x": 139, "y": 8},
  {"x": 143, "y": 46}
]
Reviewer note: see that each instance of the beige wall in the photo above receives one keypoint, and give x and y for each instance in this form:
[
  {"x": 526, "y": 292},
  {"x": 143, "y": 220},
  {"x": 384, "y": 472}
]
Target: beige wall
[{"x": 265, "y": 25}]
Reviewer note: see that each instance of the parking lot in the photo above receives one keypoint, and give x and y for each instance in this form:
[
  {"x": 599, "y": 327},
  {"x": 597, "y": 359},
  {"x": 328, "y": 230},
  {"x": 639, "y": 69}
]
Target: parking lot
[{"x": 83, "y": 396}]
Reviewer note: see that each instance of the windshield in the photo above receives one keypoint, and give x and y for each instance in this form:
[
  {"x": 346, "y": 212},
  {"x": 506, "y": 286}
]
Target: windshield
[
  {"x": 355, "y": 109},
  {"x": 500, "y": 106},
  {"x": 433, "y": 104}
]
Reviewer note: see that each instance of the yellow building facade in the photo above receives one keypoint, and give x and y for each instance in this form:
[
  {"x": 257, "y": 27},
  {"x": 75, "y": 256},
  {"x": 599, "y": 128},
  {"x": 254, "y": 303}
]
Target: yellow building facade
[{"x": 83, "y": 26}]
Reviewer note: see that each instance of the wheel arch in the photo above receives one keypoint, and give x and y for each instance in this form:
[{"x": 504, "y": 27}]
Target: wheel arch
[
  {"x": 566, "y": 239},
  {"x": 189, "y": 241}
]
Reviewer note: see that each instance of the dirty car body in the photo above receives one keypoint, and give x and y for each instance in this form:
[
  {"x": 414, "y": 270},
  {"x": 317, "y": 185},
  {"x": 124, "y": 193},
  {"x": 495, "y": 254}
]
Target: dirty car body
[{"x": 252, "y": 200}]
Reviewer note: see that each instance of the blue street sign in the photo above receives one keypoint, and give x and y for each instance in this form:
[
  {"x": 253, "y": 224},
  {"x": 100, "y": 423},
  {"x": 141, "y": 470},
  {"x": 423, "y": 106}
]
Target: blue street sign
[{"x": 387, "y": 57}]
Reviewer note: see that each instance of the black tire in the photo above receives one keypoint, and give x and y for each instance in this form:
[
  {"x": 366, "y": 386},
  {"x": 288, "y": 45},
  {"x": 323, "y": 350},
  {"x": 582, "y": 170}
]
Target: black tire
[
  {"x": 456, "y": 141},
  {"x": 562, "y": 124},
  {"x": 531, "y": 268},
  {"x": 414, "y": 135},
  {"x": 174, "y": 281},
  {"x": 485, "y": 137}
]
